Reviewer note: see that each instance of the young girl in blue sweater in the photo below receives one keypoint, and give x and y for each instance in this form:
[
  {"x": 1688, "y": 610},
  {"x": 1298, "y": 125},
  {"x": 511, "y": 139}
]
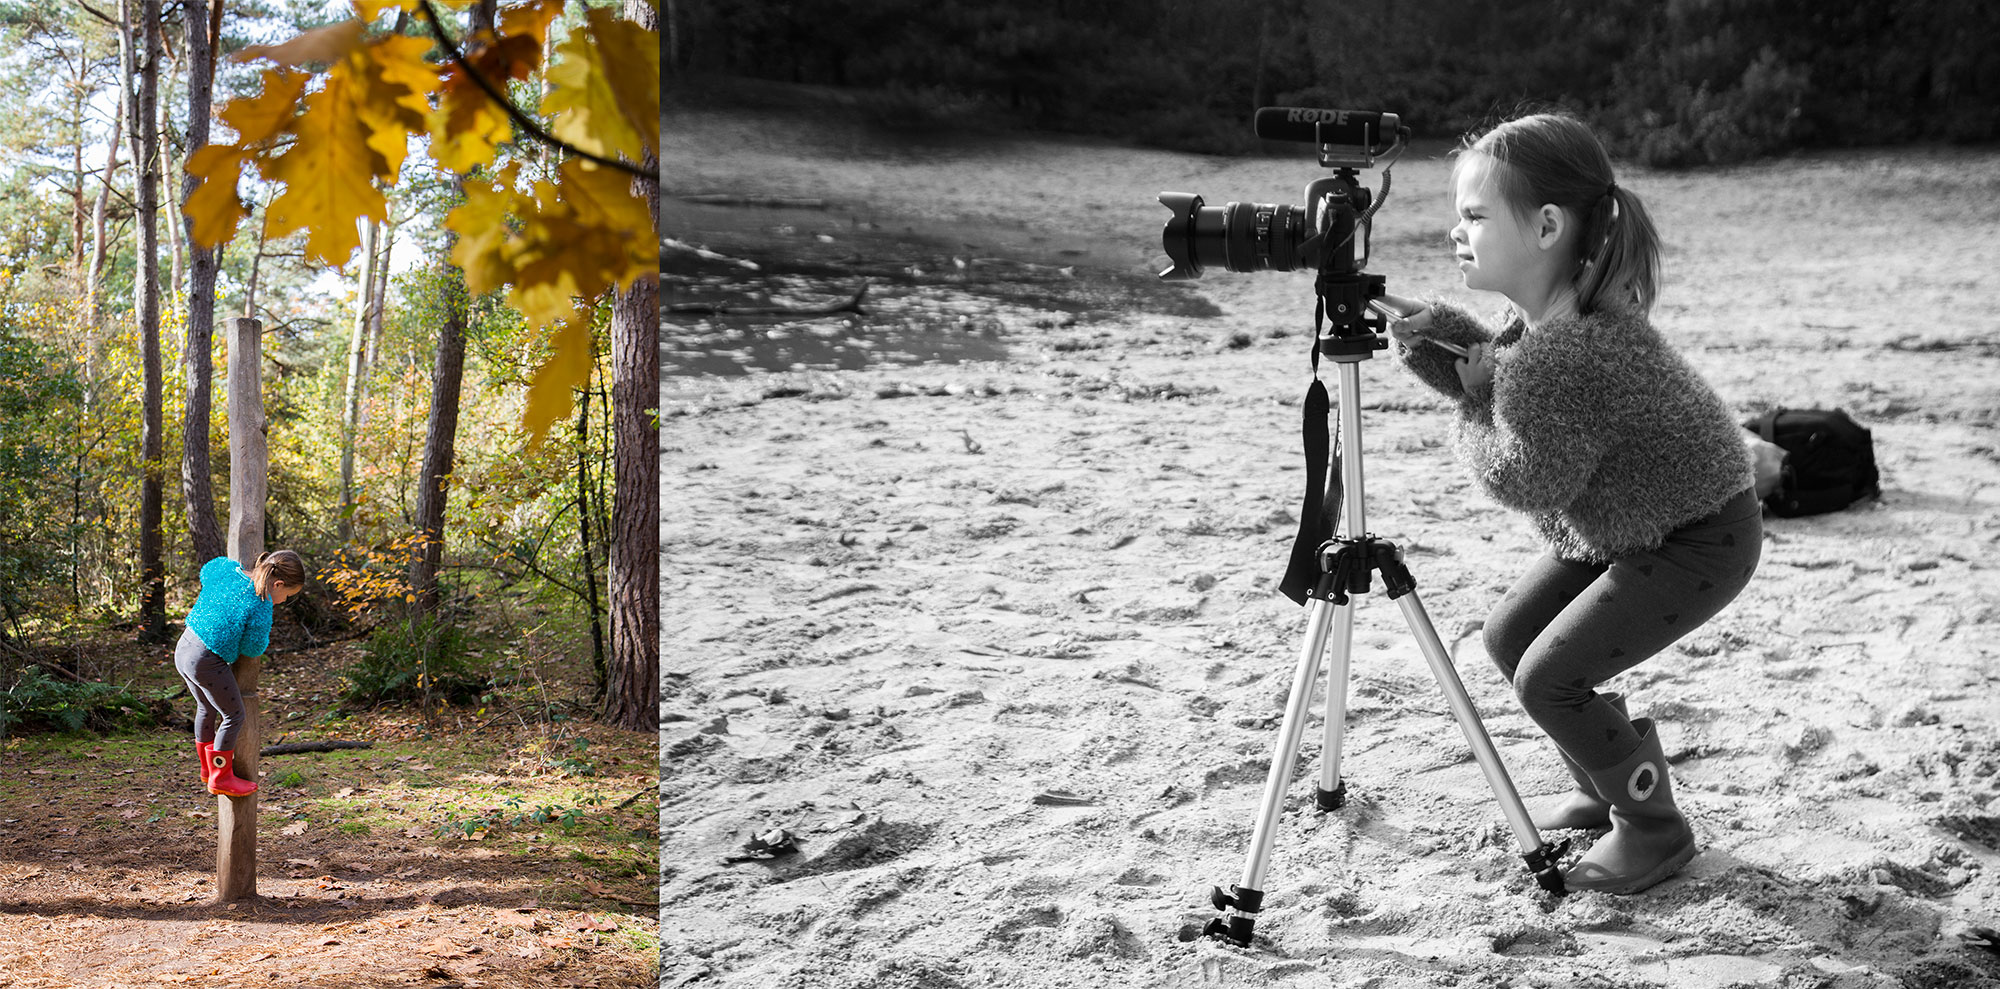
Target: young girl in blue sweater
[
  {"x": 1578, "y": 413},
  {"x": 231, "y": 617}
]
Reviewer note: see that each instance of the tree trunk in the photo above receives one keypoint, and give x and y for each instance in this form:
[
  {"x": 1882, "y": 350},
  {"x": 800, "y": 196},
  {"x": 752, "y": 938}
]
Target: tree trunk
[
  {"x": 175, "y": 249},
  {"x": 198, "y": 358},
  {"x": 146, "y": 157},
  {"x": 440, "y": 441},
  {"x": 378, "y": 302},
  {"x": 583, "y": 513},
  {"x": 350, "y": 416},
  {"x": 632, "y": 697},
  {"x": 79, "y": 205},
  {"x": 250, "y": 287},
  {"x": 93, "y": 287}
]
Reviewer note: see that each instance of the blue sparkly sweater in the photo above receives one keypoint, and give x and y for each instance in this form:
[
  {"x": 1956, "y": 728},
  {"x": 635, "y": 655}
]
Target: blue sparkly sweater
[
  {"x": 1593, "y": 426},
  {"x": 228, "y": 616}
]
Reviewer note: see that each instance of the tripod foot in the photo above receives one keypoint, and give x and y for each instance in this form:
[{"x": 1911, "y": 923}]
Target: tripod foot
[
  {"x": 1235, "y": 930},
  {"x": 1333, "y": 799},
  {"x": 1544, "y": 863},
  {"x": 1238, "y": 926}
]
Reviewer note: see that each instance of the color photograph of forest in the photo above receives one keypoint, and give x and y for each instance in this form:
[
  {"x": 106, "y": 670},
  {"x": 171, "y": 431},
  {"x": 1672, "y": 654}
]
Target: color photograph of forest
[{"x": 373, "y": 283}]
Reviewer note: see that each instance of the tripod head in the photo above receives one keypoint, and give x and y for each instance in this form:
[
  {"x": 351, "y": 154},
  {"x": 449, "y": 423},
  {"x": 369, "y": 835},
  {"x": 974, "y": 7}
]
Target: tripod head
[{"x": 1354, "y": 330}]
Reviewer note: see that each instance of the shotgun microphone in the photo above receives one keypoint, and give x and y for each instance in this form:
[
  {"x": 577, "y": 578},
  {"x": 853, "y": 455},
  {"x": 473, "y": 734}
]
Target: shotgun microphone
[{"x": 1307, "y": 125}]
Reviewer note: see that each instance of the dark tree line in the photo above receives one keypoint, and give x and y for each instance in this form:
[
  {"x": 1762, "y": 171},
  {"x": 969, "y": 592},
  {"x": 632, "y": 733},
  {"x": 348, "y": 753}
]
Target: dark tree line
[{"x": 1680, "y": 83}]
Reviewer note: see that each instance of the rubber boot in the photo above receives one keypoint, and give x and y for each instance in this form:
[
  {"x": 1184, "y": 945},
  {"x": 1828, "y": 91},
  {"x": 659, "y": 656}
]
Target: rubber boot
[
  {"x": 1649, "y": 838},
  {"x": 1581, "y": 807},
  {"x": 222, "y": 776},
  {"x": 201, "y": 760}
]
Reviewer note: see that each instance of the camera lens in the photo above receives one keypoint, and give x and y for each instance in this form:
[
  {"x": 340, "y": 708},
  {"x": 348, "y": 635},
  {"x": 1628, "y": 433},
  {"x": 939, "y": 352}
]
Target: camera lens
[{"x": 1238, "y": 236}]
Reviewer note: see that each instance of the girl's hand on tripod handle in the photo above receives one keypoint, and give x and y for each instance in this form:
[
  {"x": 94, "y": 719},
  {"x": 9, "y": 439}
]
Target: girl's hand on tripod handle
[
  {"x": 1475, "y": 371},
  {"x": 1408, "y": 319}
]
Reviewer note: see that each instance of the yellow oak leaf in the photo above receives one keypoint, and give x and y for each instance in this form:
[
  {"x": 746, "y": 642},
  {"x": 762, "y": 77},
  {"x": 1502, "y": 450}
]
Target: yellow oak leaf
[
  {"x": 371, "y": 9},
  {"x": 263, "y": 116},
  {"x": 602, "y": 199},
  {"x": 213, "y": 207},
  {"x": 481, "y": 224},
  {"x": 504, "y": 59},
  {"x": 398, "y": 61},
  {"x": 631, "y": 56},
  {"x": 467, "y": 125},
  {"x": 325, "y": 44},
  {"x": 584, "y": 100},
  {"x": 568, "y": 368},
  {"x": 532, "y": 19},
  {"x": 329, "y": 175},
  {"x": 381, "y": 76},
  {"x": 558, "y": 258},
  {"x": 545, "y": 287}
]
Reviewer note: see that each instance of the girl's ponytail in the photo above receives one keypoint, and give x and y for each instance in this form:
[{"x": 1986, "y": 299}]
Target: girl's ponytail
[{"x": 1620, "y": 263}]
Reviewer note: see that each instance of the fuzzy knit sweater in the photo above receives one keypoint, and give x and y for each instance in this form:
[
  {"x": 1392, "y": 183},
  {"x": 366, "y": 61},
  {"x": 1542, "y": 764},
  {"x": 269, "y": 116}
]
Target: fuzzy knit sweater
[
  {"x": 1592, "y": 425},
  {"x": 228, "y": 616}
]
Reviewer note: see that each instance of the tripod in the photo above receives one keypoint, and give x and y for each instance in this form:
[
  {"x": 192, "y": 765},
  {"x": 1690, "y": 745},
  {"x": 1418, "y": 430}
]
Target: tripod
[{"x": 1344, "y": 565}]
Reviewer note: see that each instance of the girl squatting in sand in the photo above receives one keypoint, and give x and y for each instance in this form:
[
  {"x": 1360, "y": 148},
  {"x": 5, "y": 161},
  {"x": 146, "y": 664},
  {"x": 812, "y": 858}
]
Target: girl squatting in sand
[
  {"x": 1579, "y": 414},
  {"x": 231, "y": 617}
]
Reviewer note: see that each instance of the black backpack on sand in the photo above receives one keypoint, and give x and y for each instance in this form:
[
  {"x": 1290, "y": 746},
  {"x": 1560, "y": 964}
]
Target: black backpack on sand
[{"x": 1829, "y": 460}]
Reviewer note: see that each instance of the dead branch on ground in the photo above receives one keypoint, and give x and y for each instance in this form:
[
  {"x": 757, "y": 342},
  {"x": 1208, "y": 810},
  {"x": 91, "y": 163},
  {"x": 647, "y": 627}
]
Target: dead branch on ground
[{"x": 329, "y": 746}]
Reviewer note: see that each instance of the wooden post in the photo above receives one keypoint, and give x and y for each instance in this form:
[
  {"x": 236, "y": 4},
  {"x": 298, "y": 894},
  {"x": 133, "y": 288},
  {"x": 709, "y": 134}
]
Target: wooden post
[
  {"x": 249, "y": 463},
  {"x": 236, "y": 817}
]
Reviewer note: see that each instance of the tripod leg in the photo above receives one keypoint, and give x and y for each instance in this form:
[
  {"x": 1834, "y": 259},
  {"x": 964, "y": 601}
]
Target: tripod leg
[
  {"x": 1540, "y": 858},
  {"x": 1243, "y": 900},
  {"x": 1332, "y": 791}
]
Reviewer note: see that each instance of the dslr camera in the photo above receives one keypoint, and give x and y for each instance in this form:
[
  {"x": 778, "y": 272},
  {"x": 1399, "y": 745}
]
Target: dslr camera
[{"x": 1282, "y": 237}]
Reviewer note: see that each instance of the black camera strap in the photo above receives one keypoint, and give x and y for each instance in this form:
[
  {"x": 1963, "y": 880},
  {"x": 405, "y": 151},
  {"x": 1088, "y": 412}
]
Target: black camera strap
[{"x": 1322, "y": 500}]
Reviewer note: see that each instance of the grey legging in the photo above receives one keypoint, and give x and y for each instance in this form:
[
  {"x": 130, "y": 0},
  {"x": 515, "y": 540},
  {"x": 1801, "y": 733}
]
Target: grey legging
[
  {"x": 218, "y": 706},
  {"x": 1566, "y": 627}
]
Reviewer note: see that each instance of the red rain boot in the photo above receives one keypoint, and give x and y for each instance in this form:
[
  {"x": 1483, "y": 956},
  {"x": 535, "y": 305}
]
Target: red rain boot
[
  {"x": 201, "y": 760},
  {"x": 222, "y": 776}
]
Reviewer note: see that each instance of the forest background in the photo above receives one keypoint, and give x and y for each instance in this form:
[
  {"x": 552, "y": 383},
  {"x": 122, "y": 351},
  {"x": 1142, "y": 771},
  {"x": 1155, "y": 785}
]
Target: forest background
[{"x": 1667, "y": 82}]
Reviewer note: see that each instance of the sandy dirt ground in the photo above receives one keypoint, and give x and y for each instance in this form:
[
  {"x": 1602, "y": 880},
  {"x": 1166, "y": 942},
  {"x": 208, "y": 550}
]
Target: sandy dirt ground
[
  {"x": 108, "y": 857},
  {"x": 998, "y": 640}
]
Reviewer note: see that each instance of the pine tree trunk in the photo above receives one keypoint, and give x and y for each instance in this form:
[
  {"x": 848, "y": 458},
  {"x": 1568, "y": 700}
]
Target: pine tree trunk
[
  {"x": 350, "y": 416},
  {"x": 440, "y": 441},
  {"x": 99, "y": 246},
  {"x": 583, "y": 514},
  {"x": 378, "y": 302},
  {"x": 146, "y": 157},
  {"x": 632, "y": 695},
  {"x": 176, "y": 251},
  {"x": 79, "y": 204},
  {"x": 198, "y": 359}
]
